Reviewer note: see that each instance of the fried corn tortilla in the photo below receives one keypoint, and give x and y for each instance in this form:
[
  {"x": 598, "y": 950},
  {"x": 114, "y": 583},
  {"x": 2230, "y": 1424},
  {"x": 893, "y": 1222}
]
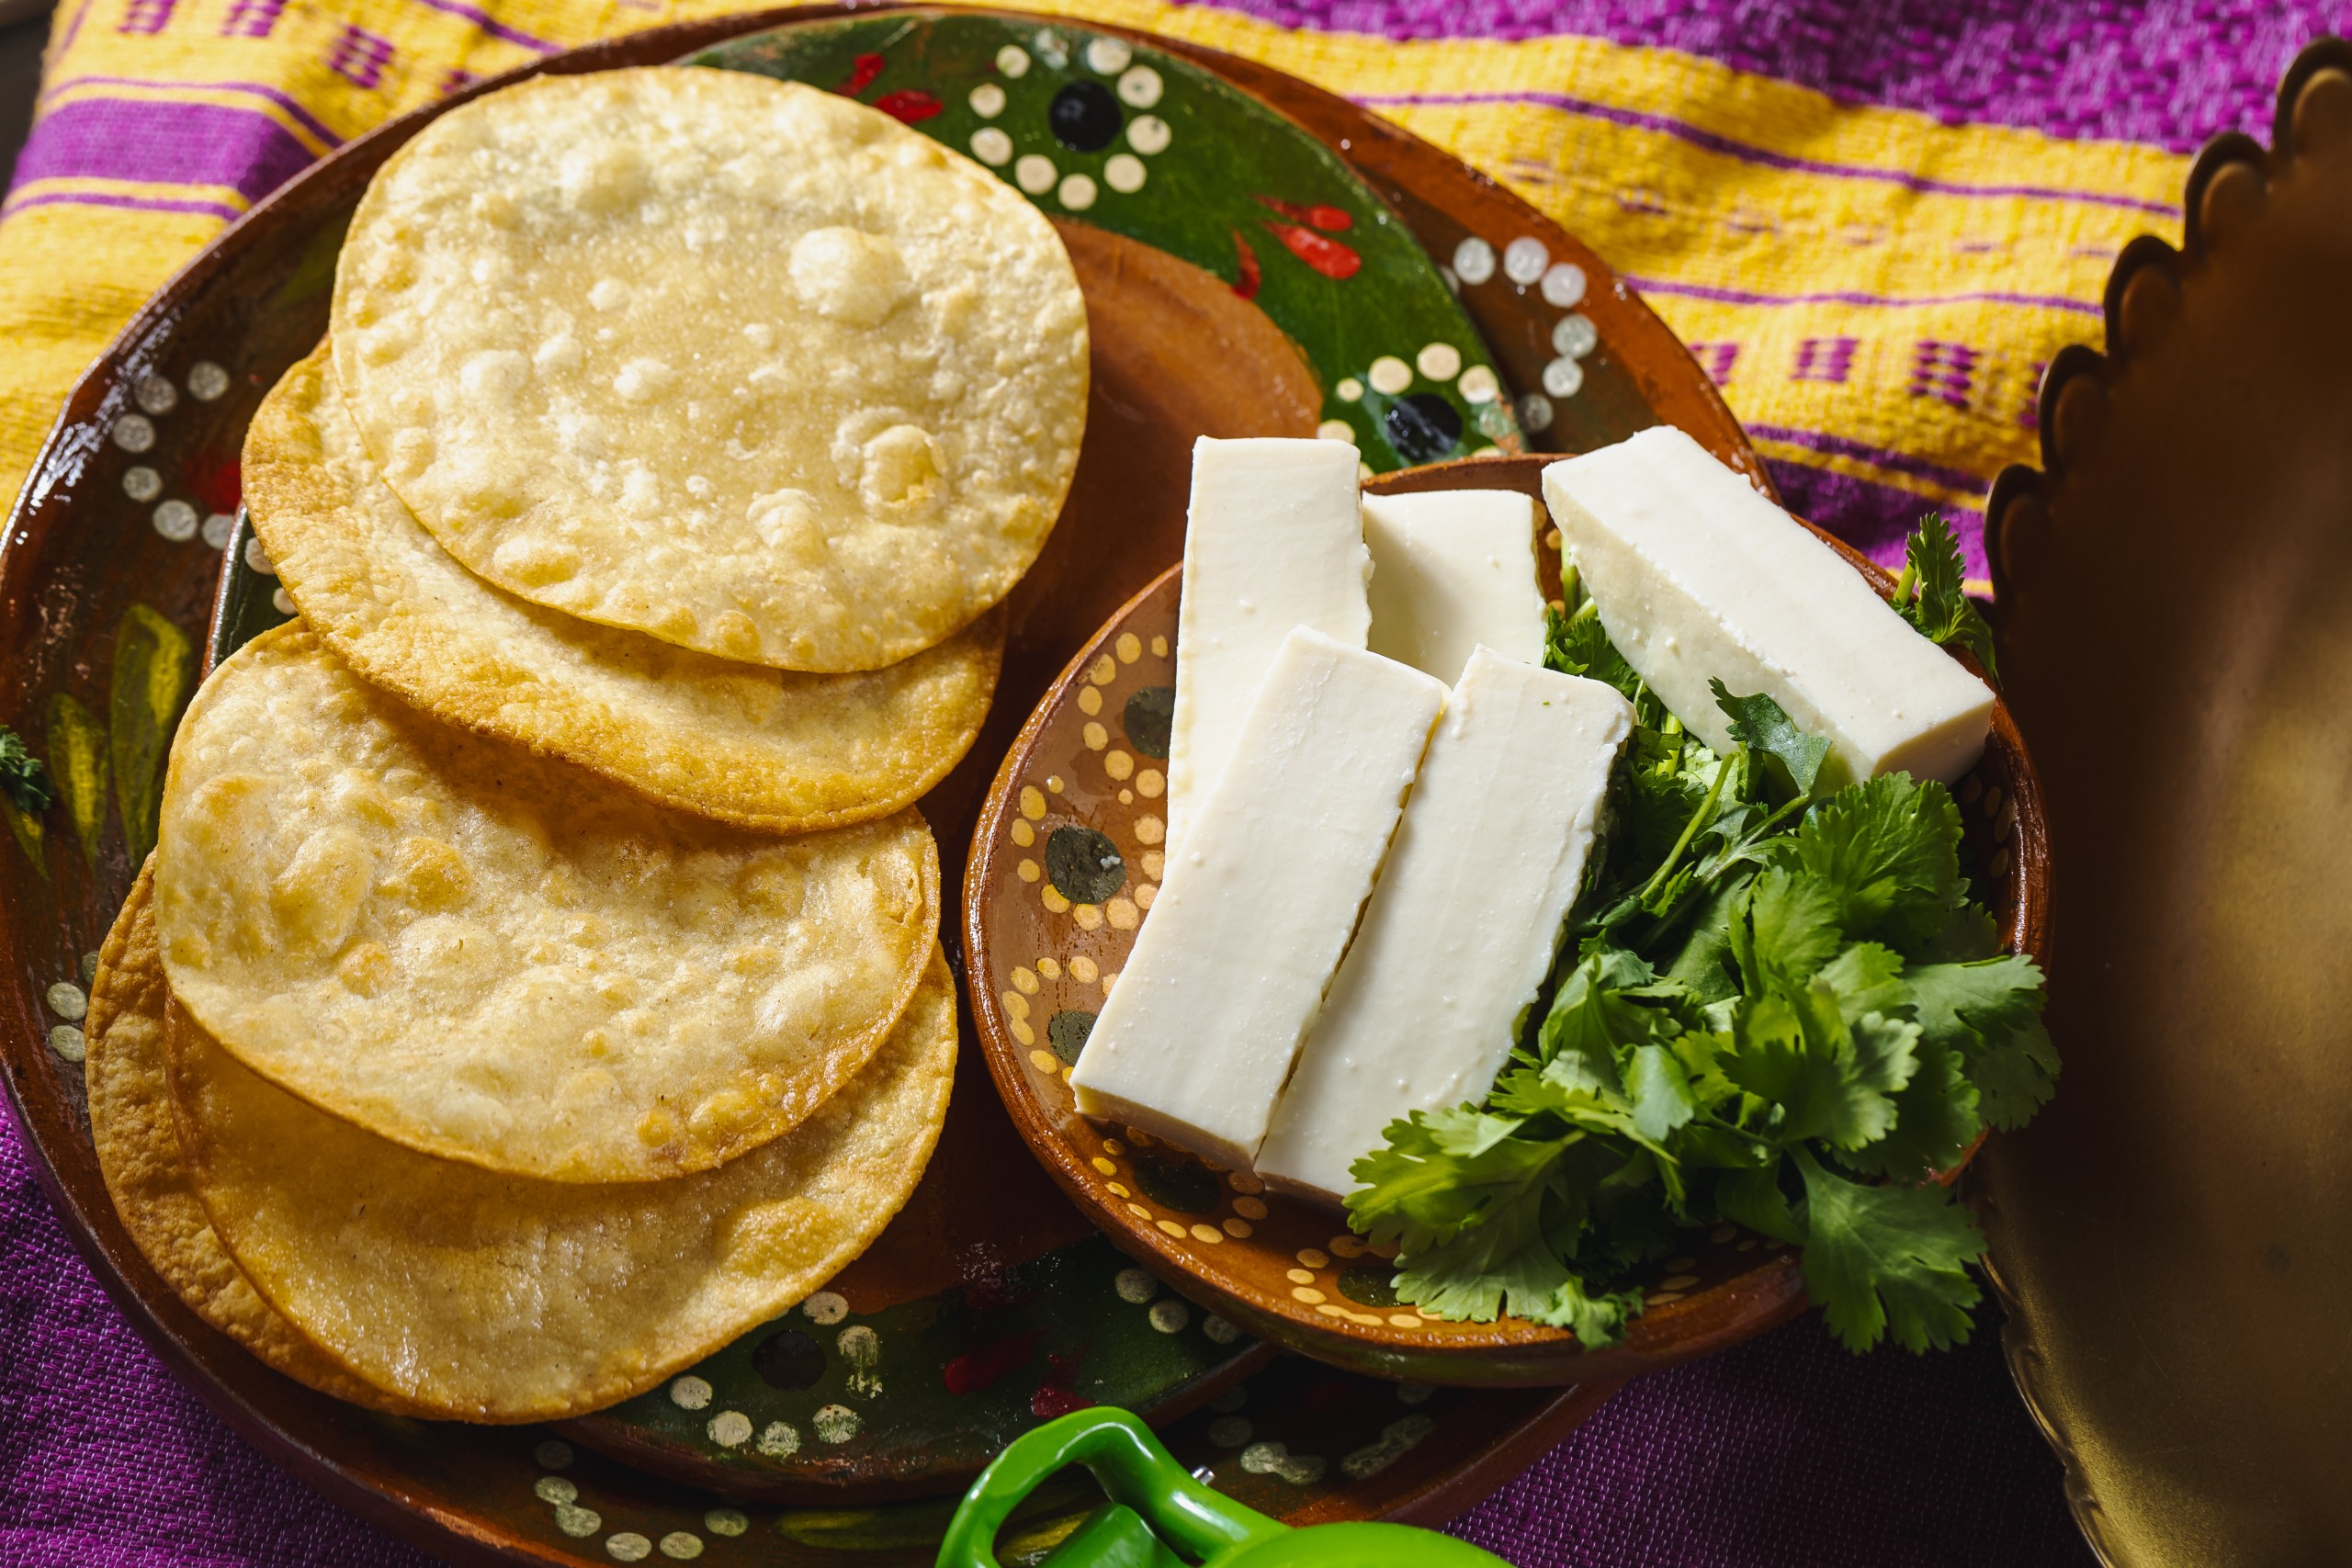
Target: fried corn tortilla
[
  {"x": 145, "y": 1165},
  {"x": 490, "y": 1298},
  {"x": 501, "y": 959},
  {"x": 744, "y": 743},
  {"x": 738, "y": 363}
]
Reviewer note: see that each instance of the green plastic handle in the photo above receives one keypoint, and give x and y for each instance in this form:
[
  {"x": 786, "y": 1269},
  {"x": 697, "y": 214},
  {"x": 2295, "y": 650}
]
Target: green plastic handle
[{"x": 1131, "y": 1466}]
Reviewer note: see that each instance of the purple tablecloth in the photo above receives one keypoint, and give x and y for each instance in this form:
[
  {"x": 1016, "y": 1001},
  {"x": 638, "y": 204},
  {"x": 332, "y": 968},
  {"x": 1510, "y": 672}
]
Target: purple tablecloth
[{"x": 1784, "y": 1452}]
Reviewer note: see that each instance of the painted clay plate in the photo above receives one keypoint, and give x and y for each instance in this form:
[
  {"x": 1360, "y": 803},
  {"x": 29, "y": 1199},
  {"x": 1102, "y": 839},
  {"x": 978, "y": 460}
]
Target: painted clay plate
[
  {"x": 1065, "y": 861},
  {"x": 1285, "y": 262}
]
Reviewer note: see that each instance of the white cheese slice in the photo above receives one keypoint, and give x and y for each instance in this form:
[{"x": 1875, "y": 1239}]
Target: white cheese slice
[
  {"x": 1229, "y": 969},
  {"x": 1451, "y": 569},
  {"x": 1697, "y": 576},
  {"x": 1463, "y": 924},
  {"x": 1272, "y": 540}
]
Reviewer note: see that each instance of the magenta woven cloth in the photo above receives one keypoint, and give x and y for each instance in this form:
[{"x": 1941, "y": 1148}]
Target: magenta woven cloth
[{"x": 1785, "y": 1453}]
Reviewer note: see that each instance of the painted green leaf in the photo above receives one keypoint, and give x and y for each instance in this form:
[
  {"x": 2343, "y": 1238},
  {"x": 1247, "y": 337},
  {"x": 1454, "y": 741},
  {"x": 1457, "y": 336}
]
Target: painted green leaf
[
  {"x": 30, "y": 835},
  {"x": 77, "y": 765},
  {"x": 154, "y": 664}
]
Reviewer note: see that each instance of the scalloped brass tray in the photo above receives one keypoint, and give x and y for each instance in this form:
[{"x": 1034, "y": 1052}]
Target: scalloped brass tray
[{"x": 2174, "y": 1235}]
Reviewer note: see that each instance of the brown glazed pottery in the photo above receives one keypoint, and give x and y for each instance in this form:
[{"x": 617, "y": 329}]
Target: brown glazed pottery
[
  {"x": 2174, "y": 1235},
  {"x": 1046, "y": 934},
  {"x": 104, "y": 599}
]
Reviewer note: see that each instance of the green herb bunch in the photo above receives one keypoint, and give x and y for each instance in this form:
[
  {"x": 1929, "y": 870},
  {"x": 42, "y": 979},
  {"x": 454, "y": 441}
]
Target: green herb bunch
[{"x": 1777, "y": 1004}]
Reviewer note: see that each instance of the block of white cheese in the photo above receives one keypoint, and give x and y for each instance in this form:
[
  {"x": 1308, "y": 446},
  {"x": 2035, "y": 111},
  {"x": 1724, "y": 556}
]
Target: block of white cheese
[
  {"x": 1272, "y": 540},
  {"x": 1697, "y": 576},
  {"x": 1451, "y": 569},
  {"x": 1229, "y": 969},
  {"x": 1464, "y": 923}
]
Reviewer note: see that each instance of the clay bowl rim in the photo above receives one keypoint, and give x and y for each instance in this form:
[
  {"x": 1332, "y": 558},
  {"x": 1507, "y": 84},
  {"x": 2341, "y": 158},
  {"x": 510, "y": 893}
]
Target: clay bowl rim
[{"x": 1511, "y": 1352}]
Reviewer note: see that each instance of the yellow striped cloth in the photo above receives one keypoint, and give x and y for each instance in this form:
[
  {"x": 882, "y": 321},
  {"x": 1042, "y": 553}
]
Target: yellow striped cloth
[{"x": 1876, "y": 292}]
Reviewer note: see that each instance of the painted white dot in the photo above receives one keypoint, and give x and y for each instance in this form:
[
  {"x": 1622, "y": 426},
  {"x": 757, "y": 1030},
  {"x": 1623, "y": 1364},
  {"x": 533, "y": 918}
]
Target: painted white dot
[
  {"x": 556, "y": 1489},
  {"x": 1478, "y": 385},
  {"x": 1390, "y": 375},
  {"x": 1453, "y": 278},
  {"x": 1335, "y": 430},
  {"x": 577, "y": 1521},
  {"x": 1229, "y": 1431},
  {"x": 690, "y": 1392},
  {"x": 176, "y": 521},
  {"x": 1349, "y": 391},
  {"x": 89, "y": 968},
  {"x": 827, "y": 1307},
  {"x": 1140, "y": 88},
  {"x": 1535, "y": 411},
  {"x": 142, "y": 483},
  {"x": 730, "y": 1428},
  {"x": 1014, "y": 60},
  {"x": 1563, "y": 377},
  {"x": 1525, "y": 260},
  {"x": 156, "y": 394},
  {"x": 1034, "y": 173},
  {"x": 219, "y": 529},
  {"x": 1124, "y": 173},
  {"x": 258, "y": 559},
  {"x": 991, "y": 146},
  {"x": 67, "y": 1001},
  {"x": 1575, "y": 336},
  {"x": 553, "y": 1454},
  {"x": 1260, "y": 1459},
  {"x": 206, "y": 381},
  {"x": 835, "y": 1423},
  {"x": 281, "y": 602},
  {"x": 1414, "y": 1392},
  {"x": 627, "y": 1547},
  {"x": 1108, "y": 56},
  {"x": 1219, "y": 1332},
  {"x": 135, "y": 433},
  {"x": 1474, "y": 260},
  {"x": 1170, "y": 1316},
  {"x": 1488, "y": 450},
  {"x": 1148, "y": 134},
  {"x": 1077, "y": 192},
  {"x": 1135, "y": 1285},
  {"x": 727, "y": 1522},
  {"x": 683, "y": 1545},
  {"x": 1049, "y": 48},
  {"x": 69, "y": 1043},
  {"x": 781, "y": 1440},
  {"x": 1305, "y": 1470},
  {"x": 988, "y": 100},
  {"x": 1439, "y": 361},
  {"x": 1231, "y": 1400},
  {"x": 1563, "y": 284}
]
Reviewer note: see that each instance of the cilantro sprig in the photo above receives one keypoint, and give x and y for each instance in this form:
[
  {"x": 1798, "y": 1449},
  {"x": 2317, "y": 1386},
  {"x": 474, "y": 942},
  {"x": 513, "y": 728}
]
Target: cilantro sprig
[
  {"x": 1776, "y": 1006},
  {"x": 22, "y": 776},
  {"x": 1929, "y": 593}
]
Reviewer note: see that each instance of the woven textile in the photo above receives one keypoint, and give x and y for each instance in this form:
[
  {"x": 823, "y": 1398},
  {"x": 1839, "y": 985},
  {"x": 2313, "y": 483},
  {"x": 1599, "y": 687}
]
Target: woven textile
[{"x": 1874, "y": 221}]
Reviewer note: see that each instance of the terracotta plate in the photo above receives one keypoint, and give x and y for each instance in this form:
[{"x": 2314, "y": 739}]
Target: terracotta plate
[
  {"x": 1065, "y": 861},
  {"x": 991, "y": 1302},
  {"x": 2174, "y": 1237}
]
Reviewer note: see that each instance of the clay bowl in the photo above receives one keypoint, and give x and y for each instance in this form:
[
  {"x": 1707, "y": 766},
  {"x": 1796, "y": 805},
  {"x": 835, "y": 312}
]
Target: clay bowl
[
  {"x": 2173, "y": 1239},
  {"x": 1084, "y": 781}
]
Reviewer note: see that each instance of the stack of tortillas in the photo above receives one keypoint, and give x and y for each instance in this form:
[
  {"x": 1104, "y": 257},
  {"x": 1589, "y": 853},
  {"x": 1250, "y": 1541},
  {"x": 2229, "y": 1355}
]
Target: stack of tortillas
[{"x": 537, "y": 984}]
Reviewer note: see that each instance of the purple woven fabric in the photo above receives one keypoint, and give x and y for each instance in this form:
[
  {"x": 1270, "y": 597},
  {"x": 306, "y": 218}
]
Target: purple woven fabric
[
  {"x": 2169, "y": 71},
  {"x": 1786, "y": 1451}
]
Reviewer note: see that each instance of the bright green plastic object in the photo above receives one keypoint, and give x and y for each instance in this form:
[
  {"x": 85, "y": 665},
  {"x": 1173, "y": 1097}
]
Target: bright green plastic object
[{"x": 1159, "y": 1516}]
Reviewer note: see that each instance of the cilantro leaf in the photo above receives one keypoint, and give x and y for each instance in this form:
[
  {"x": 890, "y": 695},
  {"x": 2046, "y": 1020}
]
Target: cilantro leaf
[
  {"x": 1930, "y": 594},
  {"x": 1889, "y": 848},
  {"x": 1787, "y": 926},
  {"x": 1793, "y": 1051},
  {"x": 1990, "y": 1013},
  {"x": 1791, "y": 758},
  {"x": 1888, "y": 1259},
  {"x": 22, "y": 776}
]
